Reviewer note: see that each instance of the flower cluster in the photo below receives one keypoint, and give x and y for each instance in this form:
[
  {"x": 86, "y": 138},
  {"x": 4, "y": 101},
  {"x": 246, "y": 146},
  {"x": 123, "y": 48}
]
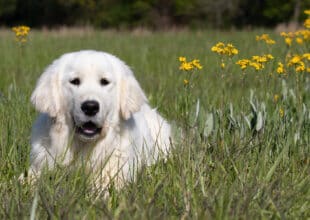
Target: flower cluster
[
  {"x": 189, "y": 66},
  {"x": 300, "y": 37},
  {"x": 296, "y": 59},
  {"x": 222, "y": 49},
  {"x": 298, "y": 62},
  {"x": 288, "y": 37},
  {"x": 21, "y": 33},
  {"x": 194, "y": 64},
  {"x": 280, "y": 68},
  {"x": 257, "y": 62},
  {"x": 266, "y": 38},
  {"x": 243, "y": 63}
]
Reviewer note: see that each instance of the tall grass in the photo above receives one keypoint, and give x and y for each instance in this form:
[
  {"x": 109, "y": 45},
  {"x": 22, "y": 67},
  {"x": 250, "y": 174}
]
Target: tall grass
[{"x": 223, "y": 164}]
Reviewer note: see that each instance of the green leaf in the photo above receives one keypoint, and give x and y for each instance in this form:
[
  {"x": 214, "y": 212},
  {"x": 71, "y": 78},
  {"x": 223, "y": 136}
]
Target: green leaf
[
  {"x": 194, "y": 113},
  {"x": 248, "y": 121},
  {"x": 209, "y": 125},
  {"x": 253, "y": 107},
  {"x": 284, "y": 89},
  {"x": 259, "y": 122}
]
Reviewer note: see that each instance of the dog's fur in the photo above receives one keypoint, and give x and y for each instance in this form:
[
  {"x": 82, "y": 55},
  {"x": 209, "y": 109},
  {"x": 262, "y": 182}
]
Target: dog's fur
[{"x": 124, "y": 131}]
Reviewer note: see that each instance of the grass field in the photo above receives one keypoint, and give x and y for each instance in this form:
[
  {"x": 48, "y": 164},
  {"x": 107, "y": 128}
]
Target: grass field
[{"x": 243, "y": 152}]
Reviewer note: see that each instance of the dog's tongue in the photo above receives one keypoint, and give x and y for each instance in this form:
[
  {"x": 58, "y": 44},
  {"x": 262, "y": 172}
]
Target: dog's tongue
[{"x": 89, "y": 128}]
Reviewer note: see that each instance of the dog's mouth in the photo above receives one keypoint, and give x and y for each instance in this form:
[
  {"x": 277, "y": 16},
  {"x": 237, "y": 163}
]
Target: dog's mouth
[{"x": 88, "y": 129}]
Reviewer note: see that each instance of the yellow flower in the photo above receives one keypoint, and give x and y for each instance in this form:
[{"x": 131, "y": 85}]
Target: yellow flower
[
  {"x": 281, "y": 112},
  {"x": 270, "y": 41},
  {"x": 235, "y": 51},
  {"x": 196, "y": 63},
  {"x": 21, "y": 33},
  {"x": 243, "y": 63},
  {"x": 306, "y": 56},
  {"x": 266, "y": 38},
  {"x": 257, "y": 66},
  {"x": 217, "y": 49},
  {"x": 300, "y": 67},
  {"x": 185, "y": 82},
  {"x": 299, "y": 40},
  {"x": 269, "y": 56},
  {"x": 307, "y": 12},
  {"x": 308, "y": 70},
  {"x": 223, "y": 65},
  {"x": 223, "y": 49},
  {"x": 259, "y": 59},
  {"x": 256, "y": 62},
  {"x": 231, "y": 50},
  {"x": 298, "y": 63},
  {"x": 182, "y": 59},
  {"x": 289, "y": 34},
  {"x": 280, "y": 68},
  {"x": 214, "y": 49},
  {"x": 304, "y": 33},
  {"x": 294, "y": 60},
  {"x": 288, "y": 41},
  {"x": 288, "y": 37},
  {"x": 276, "y": 98},
  {"x": 186, "y": 66},
  {"x": 307, "y": 23},
  {"x": 21, "y": 30},
  {"x": 220, "y": 44},
  {"x": 283, "y": 34}
]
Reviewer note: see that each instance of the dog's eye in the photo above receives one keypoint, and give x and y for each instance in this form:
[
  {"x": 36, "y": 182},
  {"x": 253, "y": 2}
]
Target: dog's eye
[
  {"x": 104, "y": 82},
  {"x": 75, "y": 81}
]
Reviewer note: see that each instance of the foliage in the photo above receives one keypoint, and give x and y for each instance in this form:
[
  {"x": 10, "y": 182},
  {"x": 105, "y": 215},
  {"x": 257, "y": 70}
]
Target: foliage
[{"x": 156, "y": 14}]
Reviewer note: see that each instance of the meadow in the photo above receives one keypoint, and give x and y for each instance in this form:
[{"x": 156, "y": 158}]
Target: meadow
[{"x": 242, "y": 137}]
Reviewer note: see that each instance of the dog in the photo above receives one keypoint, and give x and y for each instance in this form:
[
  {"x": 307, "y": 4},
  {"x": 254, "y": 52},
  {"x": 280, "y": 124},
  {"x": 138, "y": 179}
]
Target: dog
[{"x": 91, "y": 106}]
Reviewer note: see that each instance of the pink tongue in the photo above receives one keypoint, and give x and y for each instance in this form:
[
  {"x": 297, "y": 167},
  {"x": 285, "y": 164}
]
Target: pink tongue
[{"x": 89, "y": 130}]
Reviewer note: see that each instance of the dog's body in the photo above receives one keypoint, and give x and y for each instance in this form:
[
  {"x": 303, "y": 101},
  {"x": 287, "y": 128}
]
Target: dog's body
[{"x": 92, "y": 106}]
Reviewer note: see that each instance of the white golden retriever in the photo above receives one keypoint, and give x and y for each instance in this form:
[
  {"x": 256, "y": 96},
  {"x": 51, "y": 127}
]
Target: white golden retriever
[{"x": 91, "y": 105}]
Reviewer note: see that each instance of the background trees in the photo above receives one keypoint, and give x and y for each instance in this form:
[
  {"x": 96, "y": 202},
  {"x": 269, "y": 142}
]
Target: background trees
[{"x": 155, "y": 14}]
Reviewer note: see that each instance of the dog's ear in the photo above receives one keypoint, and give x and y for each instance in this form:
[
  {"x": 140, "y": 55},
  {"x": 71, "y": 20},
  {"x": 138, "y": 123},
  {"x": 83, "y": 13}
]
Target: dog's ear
[
  {"x": 132, "y": 96},
  {"x": 46, "y": 96}
]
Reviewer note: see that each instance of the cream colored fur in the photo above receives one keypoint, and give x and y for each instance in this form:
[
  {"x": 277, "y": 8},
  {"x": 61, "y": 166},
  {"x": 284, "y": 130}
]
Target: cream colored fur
[{"x": 131, "y": 132}]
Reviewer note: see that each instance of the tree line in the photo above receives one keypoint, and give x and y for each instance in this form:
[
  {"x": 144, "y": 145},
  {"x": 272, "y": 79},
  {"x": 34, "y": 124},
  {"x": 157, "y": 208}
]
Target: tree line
[{"x": 155, "y": 14}]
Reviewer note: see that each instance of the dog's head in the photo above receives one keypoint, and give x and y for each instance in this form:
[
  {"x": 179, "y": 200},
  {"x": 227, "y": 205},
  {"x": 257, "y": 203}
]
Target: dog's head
[{"x": 94, "y": 90}]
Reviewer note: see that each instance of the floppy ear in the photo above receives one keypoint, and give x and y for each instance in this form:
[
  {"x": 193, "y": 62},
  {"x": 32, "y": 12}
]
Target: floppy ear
[
  {"x": 131, "y": 96},
  {"x": 46, "y": 96}
]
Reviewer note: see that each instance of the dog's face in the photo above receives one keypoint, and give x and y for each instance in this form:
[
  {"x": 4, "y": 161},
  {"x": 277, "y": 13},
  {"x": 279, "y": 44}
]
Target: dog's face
[
  {"x": 93, "y": 90},
  {"x": 91, "y": 93}
]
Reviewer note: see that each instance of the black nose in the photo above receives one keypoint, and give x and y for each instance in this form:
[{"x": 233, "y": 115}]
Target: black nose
[{"x": 90, "y": 108}]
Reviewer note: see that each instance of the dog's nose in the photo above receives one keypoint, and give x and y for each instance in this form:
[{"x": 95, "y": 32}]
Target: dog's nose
[{"x": 90, "y": 108}]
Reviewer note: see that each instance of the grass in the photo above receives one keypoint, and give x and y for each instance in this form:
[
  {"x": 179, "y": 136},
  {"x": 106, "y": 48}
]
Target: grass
[{"x": 220, "y": 167}]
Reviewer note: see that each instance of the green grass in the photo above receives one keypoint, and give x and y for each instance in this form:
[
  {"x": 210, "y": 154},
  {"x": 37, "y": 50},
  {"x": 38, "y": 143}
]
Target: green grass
[{"x": 222, "y": 169}]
